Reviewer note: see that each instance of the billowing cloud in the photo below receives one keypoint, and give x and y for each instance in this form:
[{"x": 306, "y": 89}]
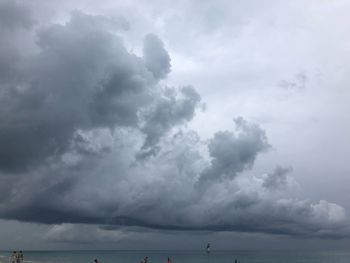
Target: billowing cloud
[
  {"x": 82, "y": 78},
  {"x": 81, "y": 113},
  {"x": 278, "y": 178},
  {"x": 173, "y": 109},
  {"x": 156, "y": 58},
  {"x": 233, "y": 153}
]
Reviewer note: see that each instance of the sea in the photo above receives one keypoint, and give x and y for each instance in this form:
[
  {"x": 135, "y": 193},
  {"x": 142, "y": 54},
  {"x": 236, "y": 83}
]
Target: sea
[{"x": 136, "y": 256}]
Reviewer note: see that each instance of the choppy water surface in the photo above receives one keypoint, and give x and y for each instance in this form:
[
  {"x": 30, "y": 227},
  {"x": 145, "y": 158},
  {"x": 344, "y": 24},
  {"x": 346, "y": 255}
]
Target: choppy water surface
[{"x": 184, "y": 256}]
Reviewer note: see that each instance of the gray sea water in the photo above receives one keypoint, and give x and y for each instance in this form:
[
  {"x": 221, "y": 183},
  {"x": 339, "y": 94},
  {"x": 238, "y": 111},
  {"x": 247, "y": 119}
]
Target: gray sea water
[{"x": 183, "y": 256}]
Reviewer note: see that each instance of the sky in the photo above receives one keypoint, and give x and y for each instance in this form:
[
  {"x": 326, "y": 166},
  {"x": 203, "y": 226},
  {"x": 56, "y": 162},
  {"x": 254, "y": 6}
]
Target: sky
[{"x": 170, "y": 124}]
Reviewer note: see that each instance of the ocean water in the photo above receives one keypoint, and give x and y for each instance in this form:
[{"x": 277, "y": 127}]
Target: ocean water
[{"x": 128, "y": 256}]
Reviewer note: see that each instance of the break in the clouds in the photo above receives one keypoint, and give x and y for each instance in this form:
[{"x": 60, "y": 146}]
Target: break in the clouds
[{"x": 90, "y": 133}]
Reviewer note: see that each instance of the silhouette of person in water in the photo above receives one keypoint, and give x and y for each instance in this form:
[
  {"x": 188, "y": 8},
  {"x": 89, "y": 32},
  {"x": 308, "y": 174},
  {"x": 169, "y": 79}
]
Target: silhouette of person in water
[
  {"x": 208, "y": 248},
  {"x": 20, "y": 256},
  {"x": 145, "y": 260},
  {"x": 96, "y": 261},
  {"x": 18, "y": 260},
  {"x": 168, "y": 260},
  {"x": 14, "y": 258}
]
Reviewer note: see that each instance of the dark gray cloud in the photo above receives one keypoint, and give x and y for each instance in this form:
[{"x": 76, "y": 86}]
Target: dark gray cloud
[
  {"x": 156, "y": 58},
  {"x": 232, "y": 153},
  {"x": 82, "y": 78},
  {"x": 278, "y": 178},
  {"x": 172, "y": 109},
  {"x": 162, "y": 194},
  {"x": 78, "y": 112},
  {"x": 15, "y": 21}
]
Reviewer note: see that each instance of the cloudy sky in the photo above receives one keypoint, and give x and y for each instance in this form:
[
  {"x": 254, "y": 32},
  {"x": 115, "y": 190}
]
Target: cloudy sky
[{"x": 168, "y": 124}]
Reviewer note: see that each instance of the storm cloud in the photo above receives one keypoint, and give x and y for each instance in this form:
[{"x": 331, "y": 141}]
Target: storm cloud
[
  {"x": 232, "y": 153},
  {"x": 90, "y": 133},
  {"x": 82, "y": 77}
]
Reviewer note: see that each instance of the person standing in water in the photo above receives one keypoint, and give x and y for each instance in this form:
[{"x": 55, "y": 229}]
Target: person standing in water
[
  {"x": 13, "y": 257},
  {"x": 20, "y": 256},
  {"x": 208, "y": 248}
]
